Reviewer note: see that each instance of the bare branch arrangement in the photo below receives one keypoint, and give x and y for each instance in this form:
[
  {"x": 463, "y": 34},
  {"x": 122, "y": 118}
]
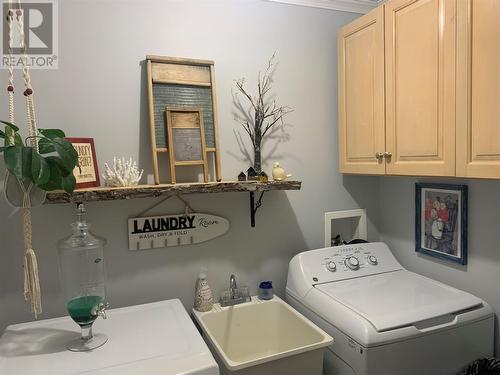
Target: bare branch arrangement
[{"x": 267, "y": 113}]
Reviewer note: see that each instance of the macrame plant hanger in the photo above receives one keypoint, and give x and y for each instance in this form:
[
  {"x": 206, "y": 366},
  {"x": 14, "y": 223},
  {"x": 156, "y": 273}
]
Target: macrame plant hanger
[{"x": 31, "y": 281}]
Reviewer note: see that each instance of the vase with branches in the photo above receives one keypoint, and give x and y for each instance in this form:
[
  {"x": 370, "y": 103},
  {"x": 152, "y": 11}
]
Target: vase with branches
[{"x": 267, "y": 114}]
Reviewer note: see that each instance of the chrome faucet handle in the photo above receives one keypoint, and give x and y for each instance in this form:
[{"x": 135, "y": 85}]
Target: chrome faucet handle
[
  {"x": 232, "y": 287},
  {"x": 232, "y": 282},
  {"x": 101, "y": 310}
]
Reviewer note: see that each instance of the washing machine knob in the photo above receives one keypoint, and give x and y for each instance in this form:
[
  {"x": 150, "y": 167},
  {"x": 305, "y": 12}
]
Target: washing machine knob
[
  {"x": 331, "y": 266},
  {"x": 373, "y": 260},
  {"x": 352, "y": 263}
]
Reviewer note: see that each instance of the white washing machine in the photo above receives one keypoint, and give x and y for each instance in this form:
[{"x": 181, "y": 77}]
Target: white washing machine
[{"x": 386, "y": 320}]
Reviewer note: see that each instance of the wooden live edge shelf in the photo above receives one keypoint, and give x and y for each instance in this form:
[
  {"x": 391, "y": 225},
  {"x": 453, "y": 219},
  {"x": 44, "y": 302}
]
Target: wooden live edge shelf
[{"x": 165, "y": 190}]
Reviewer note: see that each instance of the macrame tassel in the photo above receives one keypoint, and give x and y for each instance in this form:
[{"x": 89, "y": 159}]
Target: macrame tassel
[{"x": 32, "y": 291}]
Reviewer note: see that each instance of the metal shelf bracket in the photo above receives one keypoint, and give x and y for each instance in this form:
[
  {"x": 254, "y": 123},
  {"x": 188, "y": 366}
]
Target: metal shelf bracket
[{"x": 254, "y": 206}]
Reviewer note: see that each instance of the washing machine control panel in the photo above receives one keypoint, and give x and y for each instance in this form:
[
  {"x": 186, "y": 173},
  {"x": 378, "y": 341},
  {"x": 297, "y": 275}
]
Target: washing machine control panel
[
  {"x": 349, "y": 258},
  {"x": 344, "y": 262},
  {"x": 341, "y": 262}
]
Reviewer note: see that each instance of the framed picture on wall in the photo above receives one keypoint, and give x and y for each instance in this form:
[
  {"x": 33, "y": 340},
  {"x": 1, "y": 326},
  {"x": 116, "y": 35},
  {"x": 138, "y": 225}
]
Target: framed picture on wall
[
  {"x": 441, "y": 221},
  {"x": 87, "y": 175}
]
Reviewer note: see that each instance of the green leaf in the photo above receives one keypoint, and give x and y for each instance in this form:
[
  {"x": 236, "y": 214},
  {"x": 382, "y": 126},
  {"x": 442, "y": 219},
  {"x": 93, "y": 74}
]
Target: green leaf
[
  {"x": 10, "y": 125},
  {"x": 69, "y": 183},
  {"x": 2, "y": 134},
  {"x": 27, "y": 159},
  {"x": 40, "y": 170},
  {"x": 18, "y": 161},
  {"x": 52, "y": 133},
  {"x": 45, "y": 146},
  {"x": 66, "y": 152},
  {"x": 60, "y": 164},
  {"x": 55, "y": 180},
  {"x": 18, "y": 141},
  {"x": 9, "y": 137}
]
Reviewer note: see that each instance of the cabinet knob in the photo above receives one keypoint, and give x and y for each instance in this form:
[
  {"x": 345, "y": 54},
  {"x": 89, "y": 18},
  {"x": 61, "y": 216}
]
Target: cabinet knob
[
  {"x": 379, "y": 155},
  {"x": 387, "y": 155}
]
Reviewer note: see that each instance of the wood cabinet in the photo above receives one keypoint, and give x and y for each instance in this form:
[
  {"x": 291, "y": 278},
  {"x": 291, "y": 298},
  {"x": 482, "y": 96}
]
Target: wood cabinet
[
  {"x": 361, "y": 94},
  {"x": 420, "y": 87},
  {"x": 478, "y": 79},
  {"x": 442, "y": 90}
]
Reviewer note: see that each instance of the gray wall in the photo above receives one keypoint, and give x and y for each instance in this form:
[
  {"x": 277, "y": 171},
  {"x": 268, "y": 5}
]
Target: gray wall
[
  {"x": 481, "y": 276},
  {"x": 99, "y": 91}
]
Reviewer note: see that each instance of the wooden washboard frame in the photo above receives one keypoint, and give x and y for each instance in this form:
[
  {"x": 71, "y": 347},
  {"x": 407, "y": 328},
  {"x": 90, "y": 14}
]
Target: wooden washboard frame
[
  {"x": 187, "y": 72},
  {"x": 188, "y": 119}
]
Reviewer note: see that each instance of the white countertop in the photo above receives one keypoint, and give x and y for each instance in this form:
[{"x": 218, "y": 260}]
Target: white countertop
[{"x": 155, "y": 338}]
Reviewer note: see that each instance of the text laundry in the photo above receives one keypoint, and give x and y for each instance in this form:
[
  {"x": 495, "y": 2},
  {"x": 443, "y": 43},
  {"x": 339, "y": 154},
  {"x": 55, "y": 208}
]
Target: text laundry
[{"x": 164, "y": 224}]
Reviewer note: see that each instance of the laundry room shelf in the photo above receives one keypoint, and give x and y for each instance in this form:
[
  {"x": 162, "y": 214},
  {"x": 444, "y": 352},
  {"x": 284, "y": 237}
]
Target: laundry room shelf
[
  {"x": 164, "y": 190},
  {"x": 151, "y": 191}
]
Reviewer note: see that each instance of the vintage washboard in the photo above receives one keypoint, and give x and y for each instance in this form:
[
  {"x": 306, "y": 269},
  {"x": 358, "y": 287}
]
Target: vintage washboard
[
  {"x": 186, "y": 139},
  {"x": 181, "y": 83}
]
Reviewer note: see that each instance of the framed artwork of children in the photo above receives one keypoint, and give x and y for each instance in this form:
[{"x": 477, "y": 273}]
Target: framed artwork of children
[
  {"x": 87, "y": 175},
  {"x": 441, "y": 221}
]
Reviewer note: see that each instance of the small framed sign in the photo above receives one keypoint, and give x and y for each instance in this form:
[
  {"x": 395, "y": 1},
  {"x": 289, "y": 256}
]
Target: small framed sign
[
  {"x": 441, "y": 221},
  {"x": 88, "y": 174}
]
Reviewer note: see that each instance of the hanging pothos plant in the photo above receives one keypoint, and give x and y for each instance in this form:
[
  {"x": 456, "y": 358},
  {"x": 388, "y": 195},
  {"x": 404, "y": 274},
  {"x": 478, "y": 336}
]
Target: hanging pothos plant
[{"x": 49, "y": 168}]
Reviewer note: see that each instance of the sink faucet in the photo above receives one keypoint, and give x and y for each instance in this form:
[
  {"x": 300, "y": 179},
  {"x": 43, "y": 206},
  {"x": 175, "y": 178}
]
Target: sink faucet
[
  {"x": 233, "y": 288},
  {"x": 234, "y": 295}
]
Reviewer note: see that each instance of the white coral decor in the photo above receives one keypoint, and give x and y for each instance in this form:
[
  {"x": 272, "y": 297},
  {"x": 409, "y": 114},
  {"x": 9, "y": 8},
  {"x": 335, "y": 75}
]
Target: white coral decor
[{"x": 123, "y": 173}]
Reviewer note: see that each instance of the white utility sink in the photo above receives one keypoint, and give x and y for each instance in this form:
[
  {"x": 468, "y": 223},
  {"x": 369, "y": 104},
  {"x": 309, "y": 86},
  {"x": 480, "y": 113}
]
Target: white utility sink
[
  {"x": 155, "y": 338},
  {"x": 263, "y": 337}
]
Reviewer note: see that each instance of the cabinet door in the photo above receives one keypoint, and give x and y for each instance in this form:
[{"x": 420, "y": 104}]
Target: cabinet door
[
  {"x": 420, "y": 86},
  {"x": 478, "y": 95},
  {"x": 361, "y": 94}
]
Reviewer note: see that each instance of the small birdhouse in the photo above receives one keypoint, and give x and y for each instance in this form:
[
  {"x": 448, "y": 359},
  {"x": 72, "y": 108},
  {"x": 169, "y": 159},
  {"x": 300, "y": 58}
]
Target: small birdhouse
[
  {"x": 252, "y": 175},
  {"x": 263, "y": 177},
  {"x": 242, "y": 177}
]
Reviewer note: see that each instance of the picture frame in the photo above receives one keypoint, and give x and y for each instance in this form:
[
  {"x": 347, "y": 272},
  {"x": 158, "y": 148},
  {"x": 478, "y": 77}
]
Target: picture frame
[
  {"x": 441, "y": 221},
  {"x": 87, "y": 175}
]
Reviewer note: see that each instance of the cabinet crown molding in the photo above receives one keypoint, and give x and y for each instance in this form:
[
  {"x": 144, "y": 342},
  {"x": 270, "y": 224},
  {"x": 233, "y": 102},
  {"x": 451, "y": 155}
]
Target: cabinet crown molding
[{"x": 353, "y": 6}]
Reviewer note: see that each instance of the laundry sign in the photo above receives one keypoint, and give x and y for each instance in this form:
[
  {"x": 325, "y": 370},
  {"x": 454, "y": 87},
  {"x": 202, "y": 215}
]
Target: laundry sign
[{"x": 174, "y": 230}]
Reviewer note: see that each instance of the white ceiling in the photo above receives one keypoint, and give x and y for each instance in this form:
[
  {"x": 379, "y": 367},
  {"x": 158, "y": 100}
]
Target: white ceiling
[{"x": 355, "y": 6}]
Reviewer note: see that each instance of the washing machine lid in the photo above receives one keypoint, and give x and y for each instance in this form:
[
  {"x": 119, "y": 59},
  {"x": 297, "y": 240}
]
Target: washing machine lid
[{"x": 398, "y": 299}]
